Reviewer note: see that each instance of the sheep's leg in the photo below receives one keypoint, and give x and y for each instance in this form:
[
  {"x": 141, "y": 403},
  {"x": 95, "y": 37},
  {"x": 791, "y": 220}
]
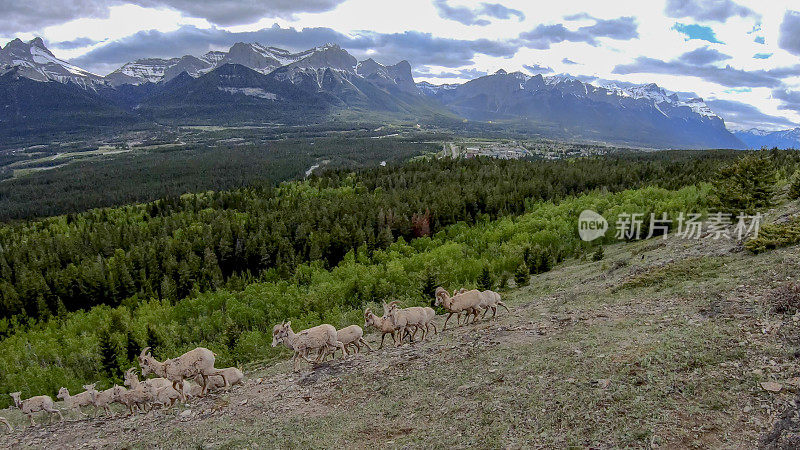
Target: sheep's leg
[
  {"x": 435, "y": 331},
  {"x": 363, "y": 341},
  {"x": 503, "y": 305},
  {"x": 494, "y": 311},
  {"x": 484, "y": 313},
  {"x": 445, "y": 321},
  {"x": 57, "y": 411},
  {"x": 383, "y": 336},
  {"x": 30, "y": 416}
]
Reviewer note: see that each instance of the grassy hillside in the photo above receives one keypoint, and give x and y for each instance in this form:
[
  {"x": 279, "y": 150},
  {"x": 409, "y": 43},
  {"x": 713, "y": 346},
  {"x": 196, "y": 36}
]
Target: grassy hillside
[{"x": 662, "y": 343}]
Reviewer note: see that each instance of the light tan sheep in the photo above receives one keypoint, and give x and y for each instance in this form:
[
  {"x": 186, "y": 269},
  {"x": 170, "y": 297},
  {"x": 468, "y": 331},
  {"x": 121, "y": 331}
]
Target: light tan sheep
[
  {"x": 102, "y": 399},
  {"x": 199, "y": 361},
  {"x": 353, "y": 336},
  {"x": 491, "y": 300},
  {"x": 467, "y": 302},
  {"x": 77, "y": 401},
  {"x": 163, "y": 396},
  {"x": 8, "y": 425},
  {"x": 321, "y": 339},
  {"x": 420, "y": 317},
  {"x": 232, "y": 375},
  {"x": 31, "y": 406},
  {"x": 132, "y": 381},
  {"x": 382, "y": 324},
  {"x": 131, "y": 398}
]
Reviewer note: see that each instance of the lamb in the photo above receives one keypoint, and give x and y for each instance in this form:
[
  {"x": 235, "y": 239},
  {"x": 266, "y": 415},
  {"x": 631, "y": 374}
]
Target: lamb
[
  {"x": 382, "y": 324},
  {"x": 490, "y": 300},
  {"x": 132, "y": 398},
  {"x": 132, "y": 381},
  {"x": 352, "y": 336},
  {"x": 199, "y": 361},
  {"x": 467, "y": 302},
  {"x": 35, "y": 404},
  {"x": 102, "y": 399},
  {"x": 5, "y": 422},
  {"x": 232, "y": 375},
  {"x": 77, "y": 401},
  {"x": 321, "y": 338},
  {"x": 417, "y": 316}
]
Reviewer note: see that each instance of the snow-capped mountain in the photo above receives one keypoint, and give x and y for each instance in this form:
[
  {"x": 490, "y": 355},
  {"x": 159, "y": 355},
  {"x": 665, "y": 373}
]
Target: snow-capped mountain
[
  {"x": 755, "y": 138},
  {"x": 563, "y": 104},
  {"x": 36, "y": 62},
  {"x": 258, "y": 57}
]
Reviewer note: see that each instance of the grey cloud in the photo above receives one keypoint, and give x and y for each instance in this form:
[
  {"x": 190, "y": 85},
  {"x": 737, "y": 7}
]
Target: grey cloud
[
  {"x": 727, "y": 76},
  {"x": 789, "y": 39},
  {"x": 790, "y": 99},
  {"x": 541, "y": 37},
  {"x": 746, "y": 116},
  {"x": 703, "y": 56},
  {"x": 469, "y": 16},
  {"x": 536, "y": 68},
  {"x": 468, "y": 74},
  {"x": 32, "y": 15},
  {"x": 707, "y": 10},
  {"x": 418, "y": 48},
  {"x": 237, "y": 12},
  {"x": 73, "y": 44}
]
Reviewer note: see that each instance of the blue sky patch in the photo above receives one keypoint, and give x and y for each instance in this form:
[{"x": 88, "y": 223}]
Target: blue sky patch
[
  {"x": 759, "y": 40},
  {"x": 694, "y": 31},
  {"x": 737, "y": 90},
  {"x": 762, "y": 55}
]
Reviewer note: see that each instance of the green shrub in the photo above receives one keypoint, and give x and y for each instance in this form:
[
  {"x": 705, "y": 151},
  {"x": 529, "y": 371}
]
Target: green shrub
[
  {"x": 598, "y": 254},
  {"x": 774, "y": 236},
  {"x": 485, "y": 280},
  {"x": 794, "y": 186}
]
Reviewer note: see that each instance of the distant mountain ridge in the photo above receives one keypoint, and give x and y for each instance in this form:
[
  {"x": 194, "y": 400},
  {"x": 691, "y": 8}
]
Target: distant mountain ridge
[
  {"x": 254, "y": 83},
  {"x": 755, "y": 138},
  {"x": 565, "y": 105}
]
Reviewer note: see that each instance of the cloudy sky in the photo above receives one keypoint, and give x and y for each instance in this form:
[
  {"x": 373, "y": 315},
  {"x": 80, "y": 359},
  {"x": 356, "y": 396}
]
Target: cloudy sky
[{"x": 742, "y": 56}]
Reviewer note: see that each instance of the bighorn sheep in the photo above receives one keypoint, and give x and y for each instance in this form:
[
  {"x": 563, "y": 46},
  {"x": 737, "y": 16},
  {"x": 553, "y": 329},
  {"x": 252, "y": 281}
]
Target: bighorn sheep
[
  {"x": 33, "y": 405},
  {"x": 149, "y": 386},
  {"x": 417, "y": 316},
  {"x": 232, "y": 375},
  {"x": 5, "y": 422},
  {"x": 102, "y": 399},
  {"x": 77, "y": 401},
  {"x": 467, "y": 301},
  {"x": 321, "y": 338},
  {"x": 199, "y": 361},
  {"x": 352, "y": 336},
  {"x": 491, "y": 300},
  {"x": 132, "y": 398},
  {"x": 382, "y": 324}
]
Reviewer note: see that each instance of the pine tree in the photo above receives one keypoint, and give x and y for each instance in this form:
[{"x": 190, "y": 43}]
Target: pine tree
[
  {"x": 132, "y": 346},
  {"x": 153, "y": 341},
  {"x": 485, "y": 279},
  {"x": 108, "y": 355},
  {"x": 794, "y": 187},
  {"x": 522, "y": 275},
  {"x": 429, "y": 284}
]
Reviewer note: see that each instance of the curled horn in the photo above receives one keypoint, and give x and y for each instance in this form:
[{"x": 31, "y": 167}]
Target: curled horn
[
  {"x": 393, "y": 303},
  {"x": 144, "y": 350}
]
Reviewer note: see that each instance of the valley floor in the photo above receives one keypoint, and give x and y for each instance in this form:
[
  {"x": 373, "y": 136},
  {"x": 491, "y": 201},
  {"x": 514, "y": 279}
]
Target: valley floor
[{"x": 662, "y": 344}]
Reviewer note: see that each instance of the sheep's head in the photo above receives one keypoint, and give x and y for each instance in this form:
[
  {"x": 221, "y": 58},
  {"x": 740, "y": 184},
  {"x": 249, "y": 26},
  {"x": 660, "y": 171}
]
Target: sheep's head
[
  {"x": 116, "y": 392},
  {"x": 129, "y": 376},
  {"x": 280, "y": 332},
  {"x": 89, "y": 387},
  {"x": 62, "y": 393},
  {"x": 391, "y": 307},
  {"x": 440, "y": 295},
  {"x": 15, "y": 396},
  {"x": 147, "y": 362},
  {"x": 369, "y": 318}
]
